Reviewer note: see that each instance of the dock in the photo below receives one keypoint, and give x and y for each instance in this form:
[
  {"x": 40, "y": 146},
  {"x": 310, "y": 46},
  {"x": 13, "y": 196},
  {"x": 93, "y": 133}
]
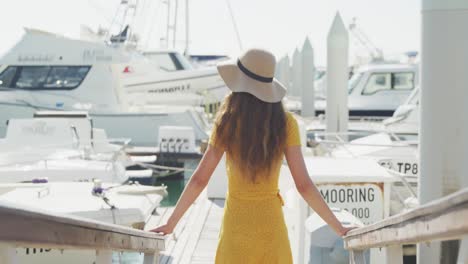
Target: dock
[{"x": 195, "y": 237}]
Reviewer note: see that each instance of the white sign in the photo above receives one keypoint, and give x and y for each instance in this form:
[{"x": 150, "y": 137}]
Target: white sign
[
  {"x": 405, "y": 166},
  {"x": 364, "y": 200}
]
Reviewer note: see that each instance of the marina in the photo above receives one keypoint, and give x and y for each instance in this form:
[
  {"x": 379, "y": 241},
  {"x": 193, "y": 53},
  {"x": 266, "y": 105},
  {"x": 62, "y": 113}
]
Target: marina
[{"x": 101, "y": 134}]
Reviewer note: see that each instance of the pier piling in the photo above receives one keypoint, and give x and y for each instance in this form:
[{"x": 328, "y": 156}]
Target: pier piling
[
  {"x": 308, "y": 73},
  {"x": 337, "y": 77}
]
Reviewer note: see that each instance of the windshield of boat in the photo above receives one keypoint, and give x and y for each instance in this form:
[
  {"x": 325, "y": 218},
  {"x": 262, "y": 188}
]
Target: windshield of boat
[
  {"x": 319, "y": 74},
  {"x": 413, "y": 98},
  {"x": 353, "y": 82},
  {"x": 169, "y": 61}
]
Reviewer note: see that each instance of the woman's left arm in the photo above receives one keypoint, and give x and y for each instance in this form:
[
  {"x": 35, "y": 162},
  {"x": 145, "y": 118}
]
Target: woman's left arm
[{"x": 195, "y": 186}]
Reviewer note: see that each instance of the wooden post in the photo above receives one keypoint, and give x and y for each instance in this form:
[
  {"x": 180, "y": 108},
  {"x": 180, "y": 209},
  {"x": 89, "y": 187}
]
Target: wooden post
[
  {"x": 8, "y": 254},
  {"x": 463, "y": 251},
  {"x": 286, "y": 72},
  {"x": 395, "y": 254},
  {"x": 336, "y": 112},
  {"x": 302, "y": 217},
  {"x": 357, "y": 257},
  {"x": 296, "y": 86},
  {"x": 278, "y": 69},
  {"x": 443, "y": 144},
  {"x": 104, "y": 257},
  {"x": 151, "y": 258},
  {"x": 308, "y": 78}
]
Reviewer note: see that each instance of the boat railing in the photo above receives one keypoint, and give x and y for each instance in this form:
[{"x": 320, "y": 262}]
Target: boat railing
[
  {"x": 30, "y": 228},
  {"x": 439, "y": 220},
  {"x": 339, "y": 138},
  {"x": 332, "y": 140}
]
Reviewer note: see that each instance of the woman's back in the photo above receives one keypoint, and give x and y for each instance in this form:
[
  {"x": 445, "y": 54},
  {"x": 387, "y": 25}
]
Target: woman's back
[
  {"x": 266, "y": 183},
  {"x": 253, "y": 229}
]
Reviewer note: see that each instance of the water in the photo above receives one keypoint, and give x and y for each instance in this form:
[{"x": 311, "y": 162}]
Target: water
[{"x": 175, "y": 186}]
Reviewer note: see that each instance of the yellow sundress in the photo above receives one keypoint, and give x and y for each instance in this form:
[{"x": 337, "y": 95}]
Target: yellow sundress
[{"x": 253, "y": 228}]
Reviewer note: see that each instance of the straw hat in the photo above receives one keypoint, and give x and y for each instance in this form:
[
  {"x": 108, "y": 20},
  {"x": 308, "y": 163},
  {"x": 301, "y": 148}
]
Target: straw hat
[{"x": 253, "y": 73}]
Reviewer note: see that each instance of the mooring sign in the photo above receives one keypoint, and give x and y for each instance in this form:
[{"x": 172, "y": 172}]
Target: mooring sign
[{"x": 365, "y": 201}]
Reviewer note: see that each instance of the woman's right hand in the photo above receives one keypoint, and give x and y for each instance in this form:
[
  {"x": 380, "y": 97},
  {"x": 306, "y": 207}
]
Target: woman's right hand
[{"x": 164, "y": 229}]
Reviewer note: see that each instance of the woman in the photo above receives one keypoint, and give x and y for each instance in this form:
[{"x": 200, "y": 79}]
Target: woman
[{"x": 255, "y": 132}]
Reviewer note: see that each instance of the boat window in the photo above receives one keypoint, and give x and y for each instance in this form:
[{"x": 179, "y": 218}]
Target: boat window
[
  {"x": 378, "y": 82},
  {"x": 319, "y": 74},
  {"x": 66, "y": 76},
  {"x": 6, "y": 77},
  {"x": 353, "y": 82},
  {"x": 403, "y": 81},
  {"x": 49, "y": 77},
  {"x": 32, "y": 77},
  {"x": 163, "y": 61}
]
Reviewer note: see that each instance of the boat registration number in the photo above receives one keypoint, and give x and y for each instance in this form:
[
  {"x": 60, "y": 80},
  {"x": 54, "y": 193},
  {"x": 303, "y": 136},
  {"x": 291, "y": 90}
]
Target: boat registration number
[
  {"x": 363, "y": 200},
  {"x": 408, "y": 167}
]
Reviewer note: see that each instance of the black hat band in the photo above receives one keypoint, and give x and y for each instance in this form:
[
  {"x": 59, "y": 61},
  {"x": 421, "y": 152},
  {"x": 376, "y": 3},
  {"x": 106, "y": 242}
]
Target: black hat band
[{"x": 253, "y": 75}]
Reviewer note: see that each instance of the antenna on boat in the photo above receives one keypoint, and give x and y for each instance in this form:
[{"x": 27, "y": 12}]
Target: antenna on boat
[
  {"x": 125, "y": 34},
  {"x": 362, "y": 39}
]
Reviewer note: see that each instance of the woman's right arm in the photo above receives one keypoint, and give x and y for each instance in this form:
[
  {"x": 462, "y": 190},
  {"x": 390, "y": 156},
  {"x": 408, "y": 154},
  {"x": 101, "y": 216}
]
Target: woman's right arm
[{"x": 309, "y": 191}]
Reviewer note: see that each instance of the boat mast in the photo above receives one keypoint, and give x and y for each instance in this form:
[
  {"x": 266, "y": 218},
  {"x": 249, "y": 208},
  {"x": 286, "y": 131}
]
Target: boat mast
[
  {"x": 174, "y": 29},
  {"x": 234, "y": 24},
  {"x": 186, "y": 52},
  {"x": 168, "y": 26}
]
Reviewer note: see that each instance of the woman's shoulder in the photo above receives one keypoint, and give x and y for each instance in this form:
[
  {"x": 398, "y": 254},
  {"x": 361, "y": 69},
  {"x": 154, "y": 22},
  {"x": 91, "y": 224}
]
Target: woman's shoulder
[
  {"x": 292, "y": 130},
  {"x": 290, "y": 119}
]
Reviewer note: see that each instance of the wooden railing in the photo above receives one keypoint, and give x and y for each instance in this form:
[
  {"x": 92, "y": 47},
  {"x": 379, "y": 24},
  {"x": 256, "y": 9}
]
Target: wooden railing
[
  {"x": 440, "y": 220},
  {"x": 31, "y": 228}
]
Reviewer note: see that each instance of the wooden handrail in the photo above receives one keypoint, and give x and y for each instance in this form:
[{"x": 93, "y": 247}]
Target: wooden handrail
[
  {"x": 439, "y": 220},
  {"x": 29, "y": 227}
]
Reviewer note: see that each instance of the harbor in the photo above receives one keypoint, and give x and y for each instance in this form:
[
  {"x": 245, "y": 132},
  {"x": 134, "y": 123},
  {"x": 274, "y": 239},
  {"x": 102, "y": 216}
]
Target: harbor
[{"x": 101, "y": 132}]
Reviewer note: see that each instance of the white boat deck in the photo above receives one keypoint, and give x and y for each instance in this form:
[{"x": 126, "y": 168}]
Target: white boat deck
[{"x": 196, "y": 235}]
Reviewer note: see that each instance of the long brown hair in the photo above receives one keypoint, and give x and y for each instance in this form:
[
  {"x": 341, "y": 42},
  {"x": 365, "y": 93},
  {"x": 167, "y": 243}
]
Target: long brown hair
[{"x": 252, "y": 131}]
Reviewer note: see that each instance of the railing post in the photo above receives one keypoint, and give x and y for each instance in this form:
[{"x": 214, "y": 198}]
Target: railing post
[
  {"x": 463, "y": 251},
  {"x": 151, "y": 258},
  {"x": 103, "y": 257},
  {"x": 8, "y": 254},
  {"x": 357, "y": 257},
  {"x": 303, "y": 214},
  {"x": 395, "y": 254}
]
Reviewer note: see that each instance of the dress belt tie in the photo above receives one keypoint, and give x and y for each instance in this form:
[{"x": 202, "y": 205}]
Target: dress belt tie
[{"x": 256, "y": 196}]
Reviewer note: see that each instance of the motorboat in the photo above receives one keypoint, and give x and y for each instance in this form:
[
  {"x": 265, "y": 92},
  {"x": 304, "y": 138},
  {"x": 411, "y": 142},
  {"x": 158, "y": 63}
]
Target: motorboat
[
  {"x": 374, "y": 90},
  {"x": 62, "y": 149},
  {"x": 128, "y": 204},
  {"x": 126, "y": 93}
]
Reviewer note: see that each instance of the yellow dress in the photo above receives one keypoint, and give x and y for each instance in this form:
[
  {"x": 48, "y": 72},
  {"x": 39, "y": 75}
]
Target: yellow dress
[{"x": 253, "y": 228}]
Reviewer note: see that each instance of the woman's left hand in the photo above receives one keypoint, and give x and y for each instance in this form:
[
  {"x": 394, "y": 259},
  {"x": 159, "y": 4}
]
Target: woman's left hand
[
  {"x": 345, "y": 230},
  {"x": 164, "y": 229}
]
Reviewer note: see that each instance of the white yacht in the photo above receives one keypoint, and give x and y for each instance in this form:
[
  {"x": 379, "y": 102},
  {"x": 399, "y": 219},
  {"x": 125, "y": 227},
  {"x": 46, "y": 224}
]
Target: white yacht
[
  {"x": 64, "y": 147},
  {"x": 374, "y": 90},
  {"x": 126, "y": 93},
  {"x": 66, "y": 166}
]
